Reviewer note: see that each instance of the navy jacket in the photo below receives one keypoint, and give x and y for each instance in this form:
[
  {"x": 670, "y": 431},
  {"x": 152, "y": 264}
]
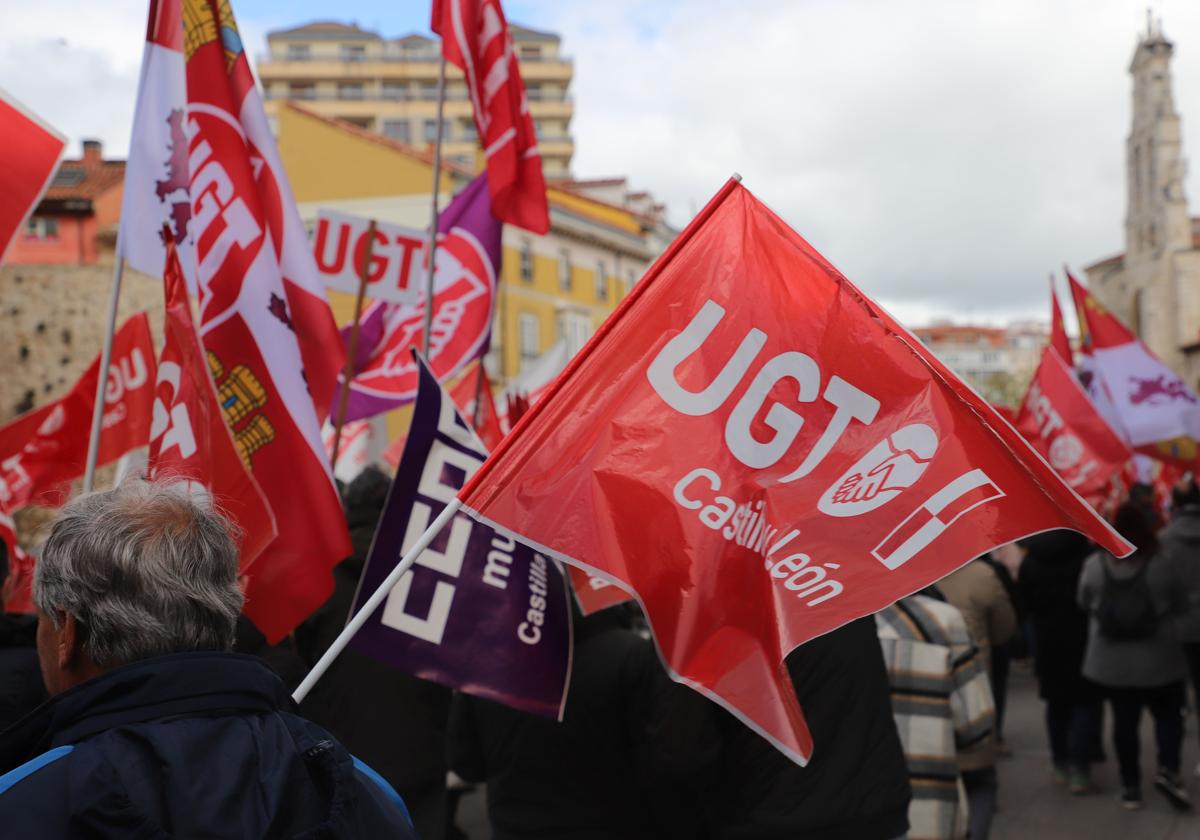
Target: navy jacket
[{"x": 189, "y": 745}]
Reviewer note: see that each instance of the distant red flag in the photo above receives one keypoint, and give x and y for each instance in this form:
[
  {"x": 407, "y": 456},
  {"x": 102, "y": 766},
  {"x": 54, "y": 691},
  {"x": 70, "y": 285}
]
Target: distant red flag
[
  {"x": 1058, "y": 330},
  {"x": 189, "y": 439},
  {"x": 762, "y": 454},
  {"x": 31, "y": 152},
  {"x": 483, "y": 419},
  {"x": 42, "y": 451},
  {"x": 1061, "y": 423},
  {"x": 265, "y": 321},
  {"x": 475, "y": 39}
]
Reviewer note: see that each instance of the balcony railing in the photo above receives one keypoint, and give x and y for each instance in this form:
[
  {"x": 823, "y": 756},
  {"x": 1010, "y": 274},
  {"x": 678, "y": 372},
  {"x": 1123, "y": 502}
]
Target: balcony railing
[{"x": 412, "y": 57}]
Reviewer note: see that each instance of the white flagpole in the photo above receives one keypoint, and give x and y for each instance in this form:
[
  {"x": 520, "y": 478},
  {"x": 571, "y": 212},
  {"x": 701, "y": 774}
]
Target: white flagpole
[
  {"x": 365, "y": 611},
  {"x": 431, "y": 250},
  {"x": 114, "y": 297}
]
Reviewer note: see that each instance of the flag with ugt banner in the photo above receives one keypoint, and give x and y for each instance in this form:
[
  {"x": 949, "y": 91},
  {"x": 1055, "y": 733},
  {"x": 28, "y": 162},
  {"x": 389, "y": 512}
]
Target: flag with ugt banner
[
  {"x": 42, "y": 451},
  {"x": 475, "y": 39},
  {"x": 478, "y": 611},
  {"x": 273, "y": 347},
  {"x": 464, "y": 288},
  {"x": 1158, "y": 413},
  {"x": 762, "y": 454},
  {"x": 189, "y": 439}
]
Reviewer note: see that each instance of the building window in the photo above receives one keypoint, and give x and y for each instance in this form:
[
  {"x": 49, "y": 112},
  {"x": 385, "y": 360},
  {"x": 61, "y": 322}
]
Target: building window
[
  {"x": 466, "y": 130},
  {"x": 429, "y": 130},
  {"x": 302, "y": 90},
  {"x": 601, "y": 281},
  {"x": 630, "y": 280},
  {"x": 350, "y": 90},
  {"x": 575, "y": 328},
  {"x": 530, "y": 53},
  {"x": 41, "y": 227},
  {"x": 533, "y": 92},
  {"x": 564, "y": 270},
  {"x": 298, "y": 52},
  {"x": 397, "y": 130},
  {"x": 527, "y": 261},
  {"x": 528, "y": 337},
  {"x": 395, "y": 90},
  {"x": 353, "y": 52},
  {"x": 428, "y": 91}
]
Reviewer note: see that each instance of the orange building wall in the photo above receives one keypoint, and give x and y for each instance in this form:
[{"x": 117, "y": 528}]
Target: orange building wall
[{"x": 74, "y": 245}]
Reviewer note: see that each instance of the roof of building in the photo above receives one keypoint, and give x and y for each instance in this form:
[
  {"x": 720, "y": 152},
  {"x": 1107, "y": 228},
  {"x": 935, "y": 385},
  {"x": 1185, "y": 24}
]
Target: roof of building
[
  {"x": 961, "y": 334},
  {"x": 524, "y": 33},
  {"x": 85, "y": 179},
  {"x": 321, "y": 30},
  {"x": 574, "y": 183},
  {"x": 1117, "y": 259}
]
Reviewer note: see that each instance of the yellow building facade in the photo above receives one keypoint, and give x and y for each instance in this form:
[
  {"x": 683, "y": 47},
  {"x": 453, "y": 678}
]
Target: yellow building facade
[
  {"x": 390, "y": 86},
  {"x": 552, "y": 288}
]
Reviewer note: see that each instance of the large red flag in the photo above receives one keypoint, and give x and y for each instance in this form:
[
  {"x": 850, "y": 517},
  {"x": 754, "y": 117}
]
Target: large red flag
[
  {"x": 1058, "y": 330},
  {"x": 475, "y": 39},
  {"x": 1061, "y": 423},
  {"x": 272, "y": 343},
  {"x": 189, "y": 439},
  {"x": 762, "y": 454},
  {"x": 42, "y": 451},
  {"x": 31, "y": 152},
  {"x": 1155, "y": 410}
]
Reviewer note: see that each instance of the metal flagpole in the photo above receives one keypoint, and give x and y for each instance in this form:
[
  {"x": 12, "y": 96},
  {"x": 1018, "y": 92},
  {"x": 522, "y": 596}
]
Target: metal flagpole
[
  {"x": 352, "y": 350},
  {"x": 431, "y": 250},
  {"x": 114, "y": 297},
  {"x": 372, "y": 604}
]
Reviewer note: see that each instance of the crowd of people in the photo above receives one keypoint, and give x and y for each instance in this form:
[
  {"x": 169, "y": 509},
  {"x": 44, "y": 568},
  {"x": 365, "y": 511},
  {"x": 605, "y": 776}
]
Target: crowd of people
[{"x": 140, "y": 702}]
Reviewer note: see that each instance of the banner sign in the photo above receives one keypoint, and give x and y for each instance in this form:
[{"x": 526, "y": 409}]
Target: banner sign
[
  {"x": 478, "y": 612},
  {"x": 397, "y": 269}
]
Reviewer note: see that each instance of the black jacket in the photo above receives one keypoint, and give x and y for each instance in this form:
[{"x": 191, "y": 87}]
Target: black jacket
[
  {"x": 855, "y": 787},
  {"x": 188, "y": 745},
  {"x": 627, "y": 761},
  {"x": 21, "y": 689},
  {"x": 1048, "y": 581}
]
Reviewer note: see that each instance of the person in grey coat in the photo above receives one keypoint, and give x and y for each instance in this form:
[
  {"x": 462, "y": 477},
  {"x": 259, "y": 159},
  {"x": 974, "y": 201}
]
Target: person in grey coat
[
  {"x": 1133, "y": 652},
  {"x": 1181, "y": 544}
]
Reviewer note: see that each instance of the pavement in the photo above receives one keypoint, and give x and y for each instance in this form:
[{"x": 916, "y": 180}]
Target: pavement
[{"x": 1032, "y": 806}]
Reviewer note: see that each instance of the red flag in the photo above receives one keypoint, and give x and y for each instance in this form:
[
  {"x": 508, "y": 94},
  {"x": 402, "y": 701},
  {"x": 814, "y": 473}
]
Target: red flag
[
  {"x": 762, "y": 454},
  {"x": 475, "y": 39},
  {"x": 1058, "y": 330},
  {"x": 1155, "y": 410},
  {"x": 40, "y": 452},
  {"x": 18, "y": 586},
  {"x": 189, "y": 439},
  {"x": 482, "y": 418},
  {"x": 31, "y": 152},
  {"x": 1061, "y": 423},
  {"x": 272, "y": 344}
]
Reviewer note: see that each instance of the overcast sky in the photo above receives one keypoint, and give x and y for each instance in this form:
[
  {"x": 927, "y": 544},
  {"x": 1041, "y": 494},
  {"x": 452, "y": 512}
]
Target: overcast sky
[{"x": 945, "y": 154}]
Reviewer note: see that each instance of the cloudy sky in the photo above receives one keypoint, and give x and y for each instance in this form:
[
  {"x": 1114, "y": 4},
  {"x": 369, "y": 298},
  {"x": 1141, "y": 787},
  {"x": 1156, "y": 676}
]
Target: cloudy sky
[{"x": 946, "y": 154}]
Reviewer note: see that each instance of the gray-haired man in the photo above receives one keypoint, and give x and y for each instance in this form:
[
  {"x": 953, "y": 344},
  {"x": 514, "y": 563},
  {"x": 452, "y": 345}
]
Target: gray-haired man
[{"x": 153, "y": 728}]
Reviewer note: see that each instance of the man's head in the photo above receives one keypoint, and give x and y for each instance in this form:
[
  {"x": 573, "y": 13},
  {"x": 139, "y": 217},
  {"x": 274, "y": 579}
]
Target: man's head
[{"x": 142, "y": 570}]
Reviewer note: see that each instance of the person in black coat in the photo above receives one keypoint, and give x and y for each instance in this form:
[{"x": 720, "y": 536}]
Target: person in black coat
[
  {"x": 21, "y": 689},
  {"x": 855, "y": 787},
  {"x": 629, "y": 761},
  {"x": 392, "y": 720},
  {"x": 153, "y": 728},
  {"x": 1048, "y": 581}
]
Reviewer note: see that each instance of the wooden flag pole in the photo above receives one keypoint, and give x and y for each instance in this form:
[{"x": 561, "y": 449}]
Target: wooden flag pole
[
  {"x": 352, "y": 350},
  {"x": 114, "y": 298},
  {"x": 431, "y": 249},
  {"x": 377, "y": 597}
]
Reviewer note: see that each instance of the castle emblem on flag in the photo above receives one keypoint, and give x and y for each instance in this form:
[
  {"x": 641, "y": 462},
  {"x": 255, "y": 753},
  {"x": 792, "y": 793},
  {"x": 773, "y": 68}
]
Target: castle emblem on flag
[{"x": 242, "y": 397}]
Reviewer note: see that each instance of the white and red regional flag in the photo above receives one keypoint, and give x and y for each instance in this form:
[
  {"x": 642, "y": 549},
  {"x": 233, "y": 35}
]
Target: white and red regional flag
[
  {"x": 1157, "y": 412},
  {"x": 1061, "y": 423},
  {"x": 271, "y": 339},
  {"x": 762, "y": 454},
  {"x": 156, "y": 175},
  {"x": 475, "y": 39},
  {"x": 31, "y": 153},
  {"x": 188, "y": 436}
]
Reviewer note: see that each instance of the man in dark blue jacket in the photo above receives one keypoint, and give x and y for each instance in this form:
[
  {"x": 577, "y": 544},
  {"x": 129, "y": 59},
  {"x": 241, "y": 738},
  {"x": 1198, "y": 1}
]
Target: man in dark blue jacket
[{"x": 154, "y": 729}]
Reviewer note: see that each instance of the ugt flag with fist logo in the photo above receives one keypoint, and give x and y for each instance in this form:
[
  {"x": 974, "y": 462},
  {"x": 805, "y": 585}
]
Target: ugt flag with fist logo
[{"x": 762, "y": 454}]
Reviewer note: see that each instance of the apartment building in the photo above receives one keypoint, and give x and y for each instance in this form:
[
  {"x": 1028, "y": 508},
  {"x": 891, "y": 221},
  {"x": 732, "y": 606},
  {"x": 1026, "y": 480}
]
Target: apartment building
[{"x": 389, "y": 86}]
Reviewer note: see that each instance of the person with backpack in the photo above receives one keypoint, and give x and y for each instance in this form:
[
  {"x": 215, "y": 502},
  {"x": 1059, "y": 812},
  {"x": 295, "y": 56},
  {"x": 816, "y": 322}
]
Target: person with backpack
[{"x": 1133, "y": 652}]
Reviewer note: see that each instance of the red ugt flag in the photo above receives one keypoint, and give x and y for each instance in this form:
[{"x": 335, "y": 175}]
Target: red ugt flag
[
  {"x": 1061, "y": 423},
  {"x": 762, "y": 454},
  {"x": 40, "y": 452},
  {"x": 272, "y": 343},
  {"x": 189, "y": 439},
  {"x": 31, "y": 152},
  {"x": 475, "y": 39}
]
